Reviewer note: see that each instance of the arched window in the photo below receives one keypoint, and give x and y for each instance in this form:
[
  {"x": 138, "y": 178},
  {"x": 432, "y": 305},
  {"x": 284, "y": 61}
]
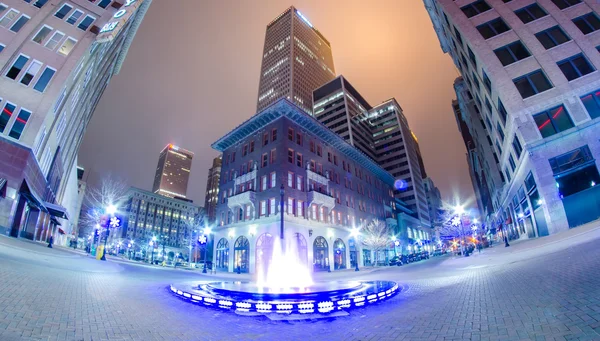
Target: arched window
[
  {"x": 321, "y": 254},
  {"x": 241, "y": 255},
  {"x": 264, "y": 253},
  {"x": 339, "y": 254},
  {"x": 222, "y": 255}
]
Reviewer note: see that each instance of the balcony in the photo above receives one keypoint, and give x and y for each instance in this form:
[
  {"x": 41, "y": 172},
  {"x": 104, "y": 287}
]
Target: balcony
[
  {"x": 245, "y": 178},
  {"x": 314, "y": 176},
  {"x": 241, "y": 199},
  {"x": 321, "y": 199}
]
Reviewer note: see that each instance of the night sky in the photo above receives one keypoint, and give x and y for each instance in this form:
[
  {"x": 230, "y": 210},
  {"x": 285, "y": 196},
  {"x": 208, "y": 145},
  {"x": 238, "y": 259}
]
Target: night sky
[{"x": 192, "y": 75}]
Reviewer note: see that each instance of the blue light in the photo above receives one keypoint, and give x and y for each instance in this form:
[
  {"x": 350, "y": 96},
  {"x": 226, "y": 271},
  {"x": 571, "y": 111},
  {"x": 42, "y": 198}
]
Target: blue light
[
  {"x": 400, "y": 184},
  {"x": 304, "y": 18}
]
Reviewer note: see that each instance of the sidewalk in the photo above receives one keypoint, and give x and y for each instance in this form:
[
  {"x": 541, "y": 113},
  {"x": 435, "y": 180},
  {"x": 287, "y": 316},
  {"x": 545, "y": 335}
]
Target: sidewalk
[{"x": 528, "y": 248}]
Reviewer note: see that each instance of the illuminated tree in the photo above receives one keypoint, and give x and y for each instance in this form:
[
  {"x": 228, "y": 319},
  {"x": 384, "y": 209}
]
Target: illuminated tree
[
  {"x": 111, "y": 191},
  {"x": 375, "y": 236}
]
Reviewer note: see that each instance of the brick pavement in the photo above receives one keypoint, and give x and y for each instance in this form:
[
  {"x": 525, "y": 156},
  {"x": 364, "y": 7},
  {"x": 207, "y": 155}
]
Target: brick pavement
[{"x": 554, "y": 294}]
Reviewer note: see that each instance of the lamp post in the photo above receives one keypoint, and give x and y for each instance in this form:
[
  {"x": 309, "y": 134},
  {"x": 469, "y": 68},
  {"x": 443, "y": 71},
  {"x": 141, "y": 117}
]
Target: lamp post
[
  {"x": 281, "y": 193},
  {"x": 152, "y": 242},
  {"x": 114, "y": 222},
  {"x": 354, "y": 234},
  {"x": 203, "y": 240}
]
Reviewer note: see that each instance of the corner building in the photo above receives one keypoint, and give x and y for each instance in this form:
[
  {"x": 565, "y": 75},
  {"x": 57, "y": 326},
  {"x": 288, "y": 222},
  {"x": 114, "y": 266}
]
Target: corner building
[
  {"x": 531, "y": 67},
  {"x": 296, "y": 60},
  {"x": 173, "y": 172},
  {"x": 56, "y": 58},
  {"x": 328, "y": 188}
]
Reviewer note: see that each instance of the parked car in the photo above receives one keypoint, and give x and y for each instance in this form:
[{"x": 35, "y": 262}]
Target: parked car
[
  {"x": 396, "y": 261},
  {"x": 425, "y": 255}
]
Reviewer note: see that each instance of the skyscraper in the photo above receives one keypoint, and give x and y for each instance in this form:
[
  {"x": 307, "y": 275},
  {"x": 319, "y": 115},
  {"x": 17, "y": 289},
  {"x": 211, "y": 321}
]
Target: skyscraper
[
  {"x": 381, "y": 132},
  {"x": 212, "y": 190},
  {"x": 57, "y": 58},
  {"x": 529, "y": 66},
  {"x": 173, "y": 172},
  {"x": 296, "y": 60}
]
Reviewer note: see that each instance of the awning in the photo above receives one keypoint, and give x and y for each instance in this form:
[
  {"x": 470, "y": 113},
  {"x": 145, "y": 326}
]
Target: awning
[
  {"x": 61, "y": 231},
  {"x": 33, "y": 200},
  {"x": 54, "y": 221},
  {"x": 56, "y": 210},
  {"x": 3, "y": 185}
]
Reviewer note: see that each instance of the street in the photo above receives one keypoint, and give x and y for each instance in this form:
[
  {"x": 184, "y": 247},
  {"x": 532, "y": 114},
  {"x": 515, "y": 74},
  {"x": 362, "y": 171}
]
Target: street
[{"x": 545, "y": 289}]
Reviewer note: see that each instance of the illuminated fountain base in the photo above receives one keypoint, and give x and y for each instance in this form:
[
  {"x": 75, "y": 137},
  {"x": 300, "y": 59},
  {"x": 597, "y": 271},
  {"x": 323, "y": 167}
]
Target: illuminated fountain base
[{"x": 320, "y": 298}]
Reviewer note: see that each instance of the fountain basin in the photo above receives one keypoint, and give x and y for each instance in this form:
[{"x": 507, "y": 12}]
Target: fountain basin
[{"x": 324, "y": 297}]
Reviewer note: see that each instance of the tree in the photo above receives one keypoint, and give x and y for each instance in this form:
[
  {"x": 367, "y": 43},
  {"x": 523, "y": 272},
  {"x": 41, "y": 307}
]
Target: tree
[
  {"x": 193, "y": 226},
  {"x": 110, "y": 191},
  {"x": 375, "y": 236},
  {"x": 450, "y": 224}
]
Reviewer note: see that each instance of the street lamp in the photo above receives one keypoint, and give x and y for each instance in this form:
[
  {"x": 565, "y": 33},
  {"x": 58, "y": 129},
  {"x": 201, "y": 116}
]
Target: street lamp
[
  {"x": 203, "y": 240},
  {"x": 113, "y": 222},
  {"x": 152, "y": 242},
  {"x": 354, "y": 234}
]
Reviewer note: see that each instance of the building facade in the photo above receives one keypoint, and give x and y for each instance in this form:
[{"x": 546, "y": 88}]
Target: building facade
[
  {"x": 173, "y": 172},
  {"x": 531, "y": 67},
  {"x": 57, "y": 59},
  {"x": 296, "y": 60},
  {"x": 434, "y": 201},
  {"x": 211, "y": 198},
  {"x": 328, "y": 188},
  {"x": 381, "y": 132},
  {"x": 167, "y": 219}
]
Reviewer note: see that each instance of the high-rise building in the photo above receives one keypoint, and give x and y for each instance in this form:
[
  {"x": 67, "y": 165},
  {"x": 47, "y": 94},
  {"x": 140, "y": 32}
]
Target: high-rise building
[
  {"x": 296, "y": 60},
  {"x": 434, "y": 201},
  {"x": 212, "y": 190},
  {"x": 486, "y": 177},
  {"x": 173, "y": 172},
  {"x": 530, "y": 68},
  {"x": 381, "y": 132},
  {"x": 57, "y": 58}
]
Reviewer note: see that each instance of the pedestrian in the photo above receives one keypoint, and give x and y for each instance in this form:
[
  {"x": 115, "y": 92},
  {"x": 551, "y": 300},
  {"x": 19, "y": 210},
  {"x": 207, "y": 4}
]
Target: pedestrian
[
  {"x": 50, "y": 241},
  {"x": 506, "y": 241}
]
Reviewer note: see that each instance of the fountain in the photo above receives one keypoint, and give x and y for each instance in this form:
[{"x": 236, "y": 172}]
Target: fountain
[{"x": 286, "y": 287}]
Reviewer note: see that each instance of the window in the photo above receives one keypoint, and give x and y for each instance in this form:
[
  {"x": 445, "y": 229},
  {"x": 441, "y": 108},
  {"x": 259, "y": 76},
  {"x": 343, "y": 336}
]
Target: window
[
  {"x": 56, "y": 38},
  {"x": 32, "y": 70},
  {"x": 74, "y": 17},
  {"x": 19, "y": 23},
  {"x": 8, "y": 18},
  {"x": 319, "y": 150},
  {"x": 575, "y": 67},
  {"x": 507, "y": 174},
  {"x": 41, "y": 35},
  {"x": 265, "y": 159},
  {"x": 553, "y": 121},
  {"x": 2, "y": 47},
  {"x": 511, "y": 160},
  {"x": 500, "y": 131},
  {"x": 5, "y": 115},
  {"x": 562, "y": 4},
  {"x": 19, "y": 125},
  {"x": 298, "y": 159},
  {"x": 312, "y": 146},
  {"x": 40, "y": 3},
  {"x": 273, "y": 135},
  {"x": 273, "y": 156},
  {"x": 291, "y": 134},
  {"x": 532, "y": 84},
  {"x": 498, "y": 147},
  {"x": 290, "y": 180},
  {"x": 300, "y": 208},
  {"x": 17, "y": 66},
  {"x": 63, "y": 11},
  {"x": 104, "y": 3},
  {"x": 475, "y": 8},
  {"x": 299, "y": 138},
  {"x": 290, "y": 206},
  {"x": 487, "y": 82},
  {"x": 263, "y": 183},
  {"x": 530, "y": 13},
  {"x": 244, "y": 150},
  {"x": 502, "y": 111},
  {"x": 458, "y": 36},
  {"x": 512, "y": 53},
  {"x": 587, "y": 23},
  {"x": 273, "y": 180},
  {"x": 592, "y": 104},
  {"x": 86, "y": 22},
  {"x": 67, "y": 46},
  {"x": 265, "y": 139},
  {"x": 299, "y": 183},
  {"x": 517, "y": 147},
  {"x": 493, "y": 28},
  {"x": 290, "y": 155},
  {"x": 263, "y": 208},
  {"x": 251, "y": 146},
  {"x": 552, "y": 37},
  {"x": 575, "y": 171}
]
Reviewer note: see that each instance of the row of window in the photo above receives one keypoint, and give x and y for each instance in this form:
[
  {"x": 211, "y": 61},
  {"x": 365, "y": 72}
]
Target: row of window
[
  {"x": 526, "y": 14},
  {"x": 19, "y": 123},
  {"x": 74, "y": 17},
  {"x": 12, "y": 19},
  {"x": 33, "y": 69}
]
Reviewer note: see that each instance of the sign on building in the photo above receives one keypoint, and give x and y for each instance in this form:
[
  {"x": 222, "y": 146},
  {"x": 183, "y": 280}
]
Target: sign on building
[{"x": 112, "y": 28}]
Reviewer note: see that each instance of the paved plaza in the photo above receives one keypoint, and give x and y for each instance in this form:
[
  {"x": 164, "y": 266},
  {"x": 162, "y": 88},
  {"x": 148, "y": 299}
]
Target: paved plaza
[{"x": 545, "y": 289}]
